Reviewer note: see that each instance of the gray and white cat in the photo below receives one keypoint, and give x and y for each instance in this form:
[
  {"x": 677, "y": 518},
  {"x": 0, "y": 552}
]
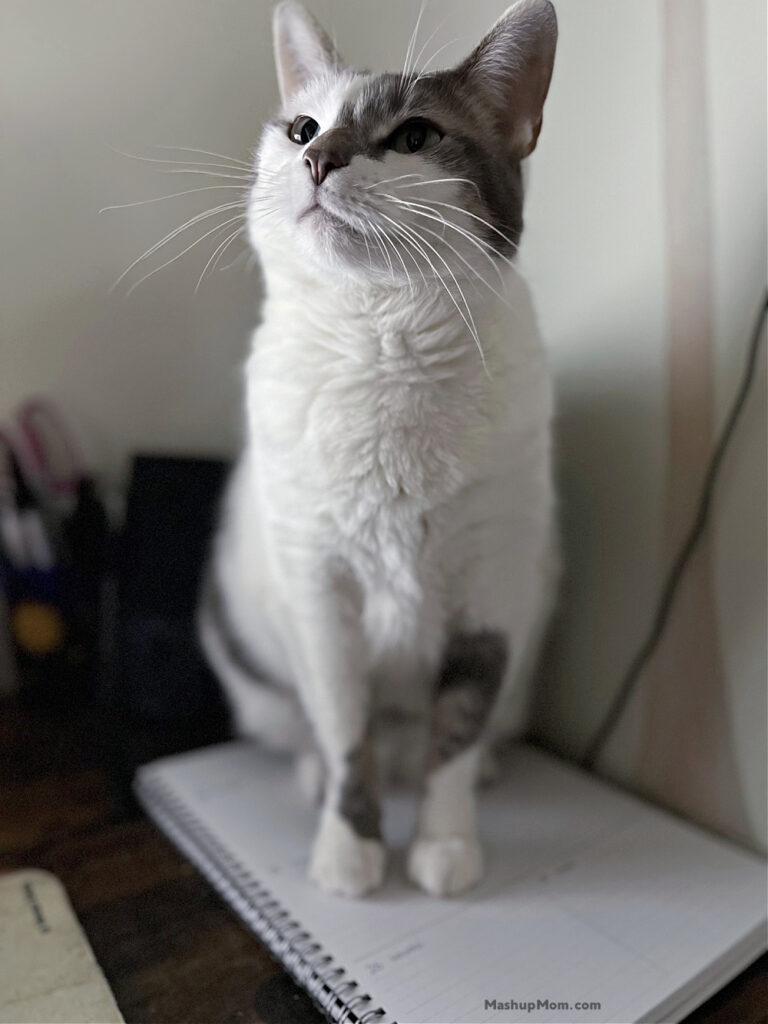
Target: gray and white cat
[{"x": 386, "y": 558}]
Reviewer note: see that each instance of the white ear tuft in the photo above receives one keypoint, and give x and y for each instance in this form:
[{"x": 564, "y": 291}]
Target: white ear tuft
[
  {"x": 512, "y": 66},
  {"x": 302, "y": 48}
]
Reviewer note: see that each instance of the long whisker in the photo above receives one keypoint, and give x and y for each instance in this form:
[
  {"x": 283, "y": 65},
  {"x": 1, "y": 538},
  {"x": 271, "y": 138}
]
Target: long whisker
[
  {"x": 207, "y": 152},
  {"x": 423, "y": 72},
  {"x": 396, "y": 251},
  {"x": 364, "y": 236},
  {"x": 468, "y": 319},
  {"x": 167, "y": 263},
  {"x": 243, "y": 252},
  {"x": 207, "y": 174},
  {"x": 414, "y": 242},
  {"x": 416, "y": 263},
  {"x": 386, "y": 181},
  {"x": 420, "y": 54},
  {"x": 441, "y": 181},
  {"x": 157, "y": 199},
  {"x": 484, "y": 246},
  {"x": 172, "y": 234},
  {"x": 407, "y": 66},
  {"x": 467, "y": 264},
  {"x": 474, "y": 216},
  {"x": 218, "y": 251},
  {"x": 378, "y": 234},
  {"x": 176, "y": 163}
]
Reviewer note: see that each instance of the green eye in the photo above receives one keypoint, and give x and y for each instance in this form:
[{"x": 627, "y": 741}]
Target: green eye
[
  {"x": 413, "y": 136},
  {"x": 303, "y": 129}
]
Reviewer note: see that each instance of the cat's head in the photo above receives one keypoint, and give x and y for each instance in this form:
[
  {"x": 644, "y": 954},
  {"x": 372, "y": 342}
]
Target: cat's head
[{"x": 403, "y": 175}]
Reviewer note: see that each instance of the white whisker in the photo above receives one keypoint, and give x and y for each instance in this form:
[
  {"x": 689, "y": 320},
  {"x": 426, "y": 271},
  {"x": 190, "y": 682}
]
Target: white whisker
[
  {"x": 216, "y": 253},
  {"x": 416, "y": 263},
  {"x": 432, "y": 35},
  {"x": 228, "y": 266},
  {"x": 467, "y": 264},
  {"x": 396, "y": 251},
  {"x": 474, "y": 216},
  {"x": 485, "y": 247},
  {"x": 206, "y": 152},
  {"x": 167, "y": 263},
  {"x": 157, "y": 199},
  {"x": 441, "y": 181},
  {"x": 207, "y": 174},
  {"x": 172, "y": 234},
  {"x": 378, "y": 234},
  {"x": 386, "y": 181},
  {"x": 422, "y": 73},
  {"x": 468, "y": 319},
  {"x": 407, "y": 68},
  {"x": 176, "y": 163}
]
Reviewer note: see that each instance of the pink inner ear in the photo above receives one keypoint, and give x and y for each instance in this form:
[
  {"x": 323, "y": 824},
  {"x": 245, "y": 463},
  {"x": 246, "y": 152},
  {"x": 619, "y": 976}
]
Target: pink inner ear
[{"x": 303, "y": 50}]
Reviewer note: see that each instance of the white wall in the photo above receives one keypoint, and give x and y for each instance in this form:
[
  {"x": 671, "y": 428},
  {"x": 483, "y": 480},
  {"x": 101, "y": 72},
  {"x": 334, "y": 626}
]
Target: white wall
[
  {"x": 737, "y": 62},
  {"x": 159, "y": 369}
]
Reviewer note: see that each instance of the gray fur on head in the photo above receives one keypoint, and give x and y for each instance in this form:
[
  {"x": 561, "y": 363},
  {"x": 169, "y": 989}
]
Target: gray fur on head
[{"x": 484, "y": 116}]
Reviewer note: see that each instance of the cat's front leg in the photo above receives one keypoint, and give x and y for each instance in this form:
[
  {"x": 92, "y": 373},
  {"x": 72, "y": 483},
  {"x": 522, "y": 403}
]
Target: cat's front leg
[
  {"x": 445, "y": 856},
  {"x": 347, "y": 856}
]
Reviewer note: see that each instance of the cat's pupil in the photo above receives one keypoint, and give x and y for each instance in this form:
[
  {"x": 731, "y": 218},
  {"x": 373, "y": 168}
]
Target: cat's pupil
[
  {"x": 415, "y": 137},
  {"x": 303, "y": 129}
]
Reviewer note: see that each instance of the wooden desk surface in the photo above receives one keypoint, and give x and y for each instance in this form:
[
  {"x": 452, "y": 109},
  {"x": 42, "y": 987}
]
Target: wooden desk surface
[{"x": 170, "y": 949}]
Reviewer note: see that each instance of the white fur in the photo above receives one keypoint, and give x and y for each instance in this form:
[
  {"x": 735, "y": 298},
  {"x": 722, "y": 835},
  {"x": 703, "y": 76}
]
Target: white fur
[
  {"x": 447, "y": 865},
  {"x": 341, "y": 862},
  {"x": 435, "y": 494},
  {"x": 445, "y": 856}
]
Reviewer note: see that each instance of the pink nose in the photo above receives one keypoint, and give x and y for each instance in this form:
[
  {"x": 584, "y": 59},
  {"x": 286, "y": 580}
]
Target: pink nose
[{"x": 321, "y": 162}]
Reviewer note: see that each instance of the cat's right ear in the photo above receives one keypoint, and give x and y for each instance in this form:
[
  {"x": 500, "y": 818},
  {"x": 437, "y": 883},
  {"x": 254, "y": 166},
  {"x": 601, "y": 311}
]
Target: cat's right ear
[
  {"x": 512, "y": 67},
  {"x": 302, "y": 48}
]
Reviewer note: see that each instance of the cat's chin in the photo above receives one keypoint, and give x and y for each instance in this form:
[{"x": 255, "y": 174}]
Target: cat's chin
[
  {"x": 335, "y": 246},
  {"x": 318, "y": 213},
  {"x": 324, "y": 243}
]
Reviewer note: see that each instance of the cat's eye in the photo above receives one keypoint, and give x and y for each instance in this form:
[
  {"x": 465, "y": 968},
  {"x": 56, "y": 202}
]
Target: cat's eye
[
  {"x": 303, "y": 129},
  {"x": 414, "y": 135}
]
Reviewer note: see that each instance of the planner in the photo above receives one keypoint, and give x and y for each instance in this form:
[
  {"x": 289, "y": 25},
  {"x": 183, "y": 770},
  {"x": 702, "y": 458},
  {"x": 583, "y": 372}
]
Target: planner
[{"x": 595, "y": 905}]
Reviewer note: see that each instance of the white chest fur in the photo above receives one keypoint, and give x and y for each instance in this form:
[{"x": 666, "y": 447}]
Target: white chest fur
[{"x": 373, "y": 419}]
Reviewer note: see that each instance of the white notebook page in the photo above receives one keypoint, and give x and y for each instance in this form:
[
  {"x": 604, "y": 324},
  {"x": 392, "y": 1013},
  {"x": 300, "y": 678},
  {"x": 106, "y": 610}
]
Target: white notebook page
[{"x": 589, "y": 896}]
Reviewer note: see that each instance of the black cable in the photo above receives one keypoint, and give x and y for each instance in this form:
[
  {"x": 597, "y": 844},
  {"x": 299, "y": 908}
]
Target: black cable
[{"x": 674, "y": 576}]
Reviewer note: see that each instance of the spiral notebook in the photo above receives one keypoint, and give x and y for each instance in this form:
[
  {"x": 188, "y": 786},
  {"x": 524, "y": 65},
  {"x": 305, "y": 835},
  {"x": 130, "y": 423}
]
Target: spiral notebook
[{"x": 595, "y": 906}]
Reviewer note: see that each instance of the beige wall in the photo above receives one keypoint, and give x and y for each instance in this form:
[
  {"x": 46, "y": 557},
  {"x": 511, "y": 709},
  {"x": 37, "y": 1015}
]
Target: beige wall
[{"x": 159, "y": 369}]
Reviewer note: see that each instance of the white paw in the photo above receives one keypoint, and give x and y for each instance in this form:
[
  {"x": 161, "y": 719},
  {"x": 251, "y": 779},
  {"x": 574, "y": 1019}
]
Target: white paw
[
  {"x": 445, "y": 866},
  {"x": 342, "y": 862}
]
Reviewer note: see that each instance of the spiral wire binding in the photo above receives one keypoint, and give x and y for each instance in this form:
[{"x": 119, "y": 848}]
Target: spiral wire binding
[{"x": 285, "y": 938}]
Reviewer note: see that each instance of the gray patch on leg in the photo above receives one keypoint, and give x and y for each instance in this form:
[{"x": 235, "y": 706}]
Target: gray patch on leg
[
  {"x": 467, "y": 686},
  {"x": 358, "y": 798}
]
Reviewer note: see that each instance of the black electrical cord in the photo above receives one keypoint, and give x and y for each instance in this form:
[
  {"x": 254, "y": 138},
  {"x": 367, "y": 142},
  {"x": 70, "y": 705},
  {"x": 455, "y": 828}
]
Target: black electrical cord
[{"x": 669, "y": 589}]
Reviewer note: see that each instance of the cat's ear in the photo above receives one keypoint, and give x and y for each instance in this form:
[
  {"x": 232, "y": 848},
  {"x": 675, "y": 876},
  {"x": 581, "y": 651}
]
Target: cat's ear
[
  {"x": 511, "y": 68},
  {"x": 302, "y": 48}
]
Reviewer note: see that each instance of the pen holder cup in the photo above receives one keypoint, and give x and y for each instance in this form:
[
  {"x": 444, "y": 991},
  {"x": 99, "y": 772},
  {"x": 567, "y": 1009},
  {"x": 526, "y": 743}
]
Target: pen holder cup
[{"x": 53, "y": 625}]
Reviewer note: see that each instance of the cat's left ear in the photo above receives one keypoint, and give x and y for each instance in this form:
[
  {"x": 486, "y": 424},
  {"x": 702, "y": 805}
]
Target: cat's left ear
[
  {"x": 302, "y": 47},
  {"x": 512, "y": 67}
]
